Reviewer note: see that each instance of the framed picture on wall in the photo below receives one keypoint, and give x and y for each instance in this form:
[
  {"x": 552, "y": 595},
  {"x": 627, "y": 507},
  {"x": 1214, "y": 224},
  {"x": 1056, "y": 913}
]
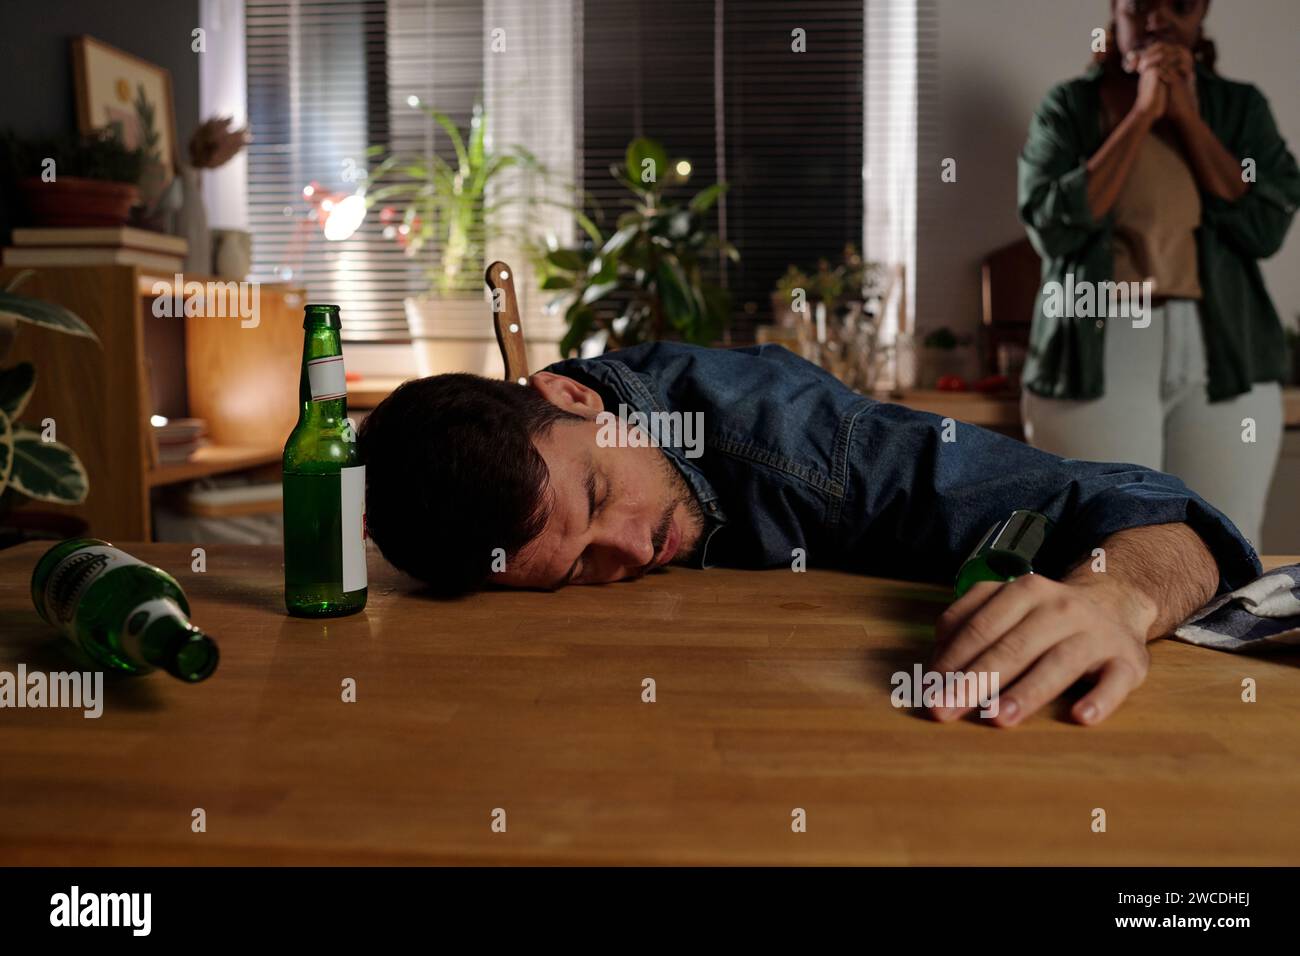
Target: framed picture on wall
[{"x": 116, "y": 89}]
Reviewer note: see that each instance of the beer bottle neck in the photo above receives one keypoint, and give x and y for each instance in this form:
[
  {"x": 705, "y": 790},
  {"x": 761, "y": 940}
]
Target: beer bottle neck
[
  {"x": 322, "y": 389},
  {"x": 158, "y": 634}
]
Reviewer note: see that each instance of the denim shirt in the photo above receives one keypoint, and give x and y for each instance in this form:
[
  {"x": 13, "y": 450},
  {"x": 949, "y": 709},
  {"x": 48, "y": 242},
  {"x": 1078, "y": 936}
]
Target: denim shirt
[{"x": 792, "y": 458}]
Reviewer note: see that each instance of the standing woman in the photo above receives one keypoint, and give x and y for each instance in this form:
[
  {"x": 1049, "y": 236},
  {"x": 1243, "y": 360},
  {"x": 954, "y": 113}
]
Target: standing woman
[{"x": 1152, "y": 167}]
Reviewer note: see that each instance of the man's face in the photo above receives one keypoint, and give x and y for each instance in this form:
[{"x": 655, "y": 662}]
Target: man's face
[{"x": 615, "y": 512}]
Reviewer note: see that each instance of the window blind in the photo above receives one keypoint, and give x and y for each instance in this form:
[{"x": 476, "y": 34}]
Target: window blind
[
  {"x": 720, "y": 83},
  {"x": 316, "y": 81},
  {"x": 327, "y": 78}
]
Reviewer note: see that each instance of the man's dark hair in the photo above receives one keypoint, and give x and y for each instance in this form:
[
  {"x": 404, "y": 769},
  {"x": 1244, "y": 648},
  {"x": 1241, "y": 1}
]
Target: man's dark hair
[{"x": 452, "y": 474}]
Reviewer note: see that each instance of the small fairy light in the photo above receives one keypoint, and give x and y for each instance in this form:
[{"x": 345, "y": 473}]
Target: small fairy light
[
  {"x": 683, "y": 168},
  {"x": 413, "y": 101}
]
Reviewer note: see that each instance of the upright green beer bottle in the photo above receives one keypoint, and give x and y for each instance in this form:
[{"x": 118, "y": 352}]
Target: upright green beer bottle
[
  {"x": 126, "y": 615},
  {"x": 324, "y": 484}
]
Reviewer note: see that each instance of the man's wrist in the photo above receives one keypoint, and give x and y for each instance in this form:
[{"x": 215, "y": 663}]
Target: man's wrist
[{"x": 1130, "y": 601}]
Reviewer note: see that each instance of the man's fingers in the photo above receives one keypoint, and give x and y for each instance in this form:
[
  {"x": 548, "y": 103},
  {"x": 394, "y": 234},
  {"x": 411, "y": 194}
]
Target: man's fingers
[
  {"x": 1060, "y": 667},
  {"x": 1003, "y": 610},
  {"x": 959, "y": 611},
  {"x": 1117, "y": 681},
  {"x": 1014, "y": 652}
]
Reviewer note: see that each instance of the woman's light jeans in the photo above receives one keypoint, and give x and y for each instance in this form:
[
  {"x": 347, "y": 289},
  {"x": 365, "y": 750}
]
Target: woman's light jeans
[{"x": 1155, "y": 412}]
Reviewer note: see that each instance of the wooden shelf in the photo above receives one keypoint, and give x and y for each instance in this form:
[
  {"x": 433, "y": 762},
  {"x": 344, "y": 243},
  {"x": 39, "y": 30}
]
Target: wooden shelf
[
  {"x": 366, "y": 393},
  {"x": 213, "y": 460}
]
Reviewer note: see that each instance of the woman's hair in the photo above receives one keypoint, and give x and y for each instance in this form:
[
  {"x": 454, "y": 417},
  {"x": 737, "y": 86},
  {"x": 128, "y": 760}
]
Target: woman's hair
[{"x": 1205, "y": 52}]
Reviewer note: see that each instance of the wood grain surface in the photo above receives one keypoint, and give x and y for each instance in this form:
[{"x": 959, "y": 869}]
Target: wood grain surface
[{"x": 772, "y": 693}]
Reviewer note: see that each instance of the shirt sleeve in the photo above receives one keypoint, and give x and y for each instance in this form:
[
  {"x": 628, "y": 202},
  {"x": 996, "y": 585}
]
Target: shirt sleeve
[
  {"x": 1256, "y": 223},
  {"x": 924, "y": 491},
  {"x": 1053, "y": 180}
]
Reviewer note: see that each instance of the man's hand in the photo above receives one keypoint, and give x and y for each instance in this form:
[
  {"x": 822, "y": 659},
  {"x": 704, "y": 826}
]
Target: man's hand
[
  {"x": 1041, "y": 636},
  {"x": 1044, "y": 636}
]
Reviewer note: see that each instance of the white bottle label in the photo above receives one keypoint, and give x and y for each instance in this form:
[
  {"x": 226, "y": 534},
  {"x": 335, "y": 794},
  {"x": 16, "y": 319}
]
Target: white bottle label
[
  {"x": 352, "y": 492},
  {"x": 73, "y": 575},
  {"x": 139, "y": 618},
  {"x": 326, "y": 379}
]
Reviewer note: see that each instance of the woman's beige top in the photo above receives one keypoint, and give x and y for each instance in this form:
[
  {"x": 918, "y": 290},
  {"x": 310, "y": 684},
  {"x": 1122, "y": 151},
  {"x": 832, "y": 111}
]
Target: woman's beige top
[{"x": 1156, "y": 217}]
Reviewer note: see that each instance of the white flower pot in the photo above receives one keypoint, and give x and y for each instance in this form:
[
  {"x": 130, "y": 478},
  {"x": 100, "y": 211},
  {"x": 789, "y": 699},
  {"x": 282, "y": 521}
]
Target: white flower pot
[{"x": 456, "y": 334}]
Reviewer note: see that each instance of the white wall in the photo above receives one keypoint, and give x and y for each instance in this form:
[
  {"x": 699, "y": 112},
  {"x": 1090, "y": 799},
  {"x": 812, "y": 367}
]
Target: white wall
[{"x": 996, "y": 60}]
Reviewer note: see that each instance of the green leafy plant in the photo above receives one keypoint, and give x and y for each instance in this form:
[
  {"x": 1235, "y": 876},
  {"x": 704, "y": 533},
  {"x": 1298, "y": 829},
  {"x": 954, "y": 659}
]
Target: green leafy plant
[
  {"x": 657, "y": 264},
  {"x": 945, "y": 339},
  {"x": 99, "y": 155},
  {"x": 453, "y": 204},
  {"x": 846, "y": 280},
  {"x": 794, "y": 278},
  {"x": 30, "y": 465}
]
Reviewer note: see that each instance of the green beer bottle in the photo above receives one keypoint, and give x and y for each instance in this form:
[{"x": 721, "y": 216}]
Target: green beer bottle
[
  {"x": 324, "y": 484},
  {"x": 1006, "y": 551},
  {"x": 126, "y": 615}
]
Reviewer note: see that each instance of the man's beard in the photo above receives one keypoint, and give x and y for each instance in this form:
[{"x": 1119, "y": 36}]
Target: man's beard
[{"x": 679, "y": 494}]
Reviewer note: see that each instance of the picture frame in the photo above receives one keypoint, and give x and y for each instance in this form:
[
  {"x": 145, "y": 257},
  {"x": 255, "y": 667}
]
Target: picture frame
[{"x": 116, "y": 88}]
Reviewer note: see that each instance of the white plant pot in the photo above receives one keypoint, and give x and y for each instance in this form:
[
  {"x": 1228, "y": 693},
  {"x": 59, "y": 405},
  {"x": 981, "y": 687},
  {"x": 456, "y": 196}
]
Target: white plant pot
[{"x": 456, "y": 334}]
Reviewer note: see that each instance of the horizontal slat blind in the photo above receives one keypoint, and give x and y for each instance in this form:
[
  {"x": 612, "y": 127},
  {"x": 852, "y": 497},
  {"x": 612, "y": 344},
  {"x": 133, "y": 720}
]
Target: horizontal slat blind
[
  {"x": 794, "y": 139},
  {"x": 316, "y": 100},
  {"x": 790, "y": 123}
]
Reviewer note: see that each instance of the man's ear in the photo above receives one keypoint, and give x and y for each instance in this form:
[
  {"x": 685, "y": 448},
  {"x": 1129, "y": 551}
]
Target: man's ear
[{"x": 570, "y": 395}]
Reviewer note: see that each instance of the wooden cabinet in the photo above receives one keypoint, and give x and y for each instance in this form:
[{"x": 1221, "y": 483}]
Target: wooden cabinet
[{"x": 240, "y": 376}]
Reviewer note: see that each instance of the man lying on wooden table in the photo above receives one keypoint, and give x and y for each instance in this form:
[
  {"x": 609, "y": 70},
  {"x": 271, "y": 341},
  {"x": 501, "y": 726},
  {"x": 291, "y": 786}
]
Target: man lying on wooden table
[{"x": 473, "y": 481}]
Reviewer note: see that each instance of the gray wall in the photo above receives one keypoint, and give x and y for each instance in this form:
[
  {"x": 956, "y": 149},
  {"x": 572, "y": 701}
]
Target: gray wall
[
  {"x": 36, "y": 95},
  {"x": 997, "y": 58}
]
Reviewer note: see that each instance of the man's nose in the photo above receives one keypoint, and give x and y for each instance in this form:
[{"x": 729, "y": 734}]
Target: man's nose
[{"x": 629, "y": 544}]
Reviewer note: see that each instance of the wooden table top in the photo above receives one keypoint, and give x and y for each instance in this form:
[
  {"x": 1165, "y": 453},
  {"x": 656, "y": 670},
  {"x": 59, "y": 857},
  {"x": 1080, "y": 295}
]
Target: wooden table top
[{"x": 772, "y": 693}]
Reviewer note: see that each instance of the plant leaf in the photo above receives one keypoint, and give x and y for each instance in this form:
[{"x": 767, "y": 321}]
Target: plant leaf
[
  {"x": 6, "y": 451},
  {"x": 569, "y": 260},
  {"x": 590, "y": 229},
  {"x": 703, "y": 200},
  {"x": 620, "y": 238},
  {"x": 443, "y": 120},
  {"x": 579, "y": 318},
  {"x": 16, "y": 386},
  {"x": 639, "y": 150},
  {"x": 46, "y": 314},
  {"x": 46, "y": 470},
  {"x": 19, "y": 279},
  {"x": 597, "y": 292}
]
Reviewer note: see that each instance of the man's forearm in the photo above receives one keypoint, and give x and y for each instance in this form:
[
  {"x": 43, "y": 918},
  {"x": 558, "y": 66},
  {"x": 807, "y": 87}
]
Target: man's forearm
[{"x": 1159, "y": 573}]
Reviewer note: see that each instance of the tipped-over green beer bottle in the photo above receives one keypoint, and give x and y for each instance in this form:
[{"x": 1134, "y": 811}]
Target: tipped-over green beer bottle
[
  {"x": 126, "y": 615},
  {"x": 324, "y": 484}
]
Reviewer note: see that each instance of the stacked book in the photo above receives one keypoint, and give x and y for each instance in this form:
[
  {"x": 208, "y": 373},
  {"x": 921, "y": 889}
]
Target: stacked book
[
  {"x": 97, "y": 246},
  {"x": 178, "y": 438}
]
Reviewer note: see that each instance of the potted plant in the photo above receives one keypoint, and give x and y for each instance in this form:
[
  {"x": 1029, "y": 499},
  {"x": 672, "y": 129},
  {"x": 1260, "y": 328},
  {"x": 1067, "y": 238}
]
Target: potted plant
[
  {"x": 947, "y": 360},
  {"x": 656, "y": 267},
  {"x": 33, "y": 466},
  {"x": 424, "y": 198},
  {"x": 77, "y": 180}
]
